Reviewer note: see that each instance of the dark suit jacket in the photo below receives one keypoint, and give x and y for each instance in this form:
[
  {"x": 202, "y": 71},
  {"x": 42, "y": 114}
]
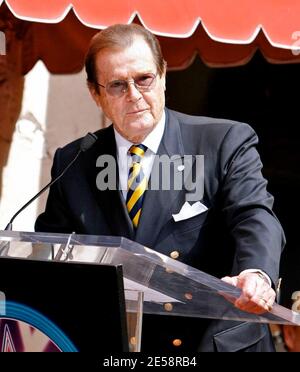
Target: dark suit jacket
[{"x": 238, "y": 231}]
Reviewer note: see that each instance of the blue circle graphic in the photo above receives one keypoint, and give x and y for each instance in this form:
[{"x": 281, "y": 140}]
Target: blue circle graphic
[{"x": 39, "y": 321}]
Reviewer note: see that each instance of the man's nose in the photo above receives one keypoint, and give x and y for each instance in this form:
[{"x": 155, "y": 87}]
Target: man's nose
[{"x": 133, "y": 93}]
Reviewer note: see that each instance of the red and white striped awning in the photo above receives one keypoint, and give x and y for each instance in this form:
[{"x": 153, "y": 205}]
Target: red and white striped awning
[{"x": 222, "y": 32}]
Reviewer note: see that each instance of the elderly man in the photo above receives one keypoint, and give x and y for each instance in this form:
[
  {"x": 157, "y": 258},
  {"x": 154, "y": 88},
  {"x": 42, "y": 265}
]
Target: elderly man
[{"x": 233, "y": 235}]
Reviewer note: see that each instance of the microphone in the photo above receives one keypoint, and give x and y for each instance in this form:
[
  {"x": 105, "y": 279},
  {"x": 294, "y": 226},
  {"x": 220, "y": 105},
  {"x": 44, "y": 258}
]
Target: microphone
[{"x": 86, "y": 143}]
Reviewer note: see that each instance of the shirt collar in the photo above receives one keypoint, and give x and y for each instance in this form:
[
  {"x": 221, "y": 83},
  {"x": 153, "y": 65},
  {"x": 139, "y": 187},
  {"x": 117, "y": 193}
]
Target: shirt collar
[{"x": 152, "y": 141}]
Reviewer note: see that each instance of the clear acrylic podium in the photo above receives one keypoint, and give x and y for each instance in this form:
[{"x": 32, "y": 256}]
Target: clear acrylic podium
[{"x": 153, "y": 282}]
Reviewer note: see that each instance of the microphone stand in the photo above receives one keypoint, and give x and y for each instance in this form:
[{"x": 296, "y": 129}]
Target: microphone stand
[
  {"x": 9, "y": 225},
  {"x": 4, "y": 246},
  {"x": 86, "y": 143}
]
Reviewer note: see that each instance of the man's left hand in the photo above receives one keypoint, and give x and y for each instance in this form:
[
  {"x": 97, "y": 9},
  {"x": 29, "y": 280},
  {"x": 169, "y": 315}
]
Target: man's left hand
[{"x": 257, "y": 296}]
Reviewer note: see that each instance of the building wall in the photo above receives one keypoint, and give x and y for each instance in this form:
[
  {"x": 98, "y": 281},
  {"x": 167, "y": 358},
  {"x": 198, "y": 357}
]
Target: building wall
[{"x": 56, "y": 109}]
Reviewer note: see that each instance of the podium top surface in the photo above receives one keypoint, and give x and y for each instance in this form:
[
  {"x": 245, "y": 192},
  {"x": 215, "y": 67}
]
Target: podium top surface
[{"x": 170, "y": 287}]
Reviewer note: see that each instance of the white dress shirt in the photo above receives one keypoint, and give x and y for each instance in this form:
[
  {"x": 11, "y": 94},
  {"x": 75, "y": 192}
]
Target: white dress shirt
[{"x": 152, "y": 141}]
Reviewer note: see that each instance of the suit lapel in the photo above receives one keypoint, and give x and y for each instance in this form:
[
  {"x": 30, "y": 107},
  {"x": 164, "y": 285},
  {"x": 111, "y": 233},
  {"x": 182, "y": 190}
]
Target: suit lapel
[
  {"x": 111, "y": 202},
  {"x": 158, "y": 204}
]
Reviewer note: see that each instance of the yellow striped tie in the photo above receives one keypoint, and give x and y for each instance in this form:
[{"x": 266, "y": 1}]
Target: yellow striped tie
[{"x": 137, "y": 184}]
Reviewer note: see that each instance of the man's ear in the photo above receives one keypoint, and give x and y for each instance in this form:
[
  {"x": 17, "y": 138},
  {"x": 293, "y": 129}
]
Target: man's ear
[
  {"x": 164, "y": 82},
  {"x": 164, "y": 75},
  {"x": 94, "y": 93}
]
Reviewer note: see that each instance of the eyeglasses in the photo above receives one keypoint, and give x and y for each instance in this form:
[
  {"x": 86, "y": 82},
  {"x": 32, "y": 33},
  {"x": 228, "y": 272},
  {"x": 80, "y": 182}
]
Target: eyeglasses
[{"x": 142, "y": 82}]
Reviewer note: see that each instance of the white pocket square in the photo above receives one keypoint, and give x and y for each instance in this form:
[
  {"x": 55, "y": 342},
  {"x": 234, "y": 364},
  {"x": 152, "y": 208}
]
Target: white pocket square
[{"x": 188, "y": 211}]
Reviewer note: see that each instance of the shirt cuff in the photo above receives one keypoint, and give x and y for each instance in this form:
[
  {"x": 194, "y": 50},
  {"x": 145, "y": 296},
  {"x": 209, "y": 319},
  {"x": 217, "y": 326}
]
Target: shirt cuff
[{"x": 259, "y": 271}]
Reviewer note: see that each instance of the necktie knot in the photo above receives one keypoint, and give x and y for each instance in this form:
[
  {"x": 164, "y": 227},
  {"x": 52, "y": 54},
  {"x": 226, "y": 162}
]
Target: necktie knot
[{"x": 137, "y": 152}]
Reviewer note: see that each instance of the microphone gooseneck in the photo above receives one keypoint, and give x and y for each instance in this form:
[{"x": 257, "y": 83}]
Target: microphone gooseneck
[{"x": 86, "y": 143}]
